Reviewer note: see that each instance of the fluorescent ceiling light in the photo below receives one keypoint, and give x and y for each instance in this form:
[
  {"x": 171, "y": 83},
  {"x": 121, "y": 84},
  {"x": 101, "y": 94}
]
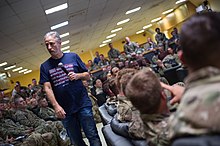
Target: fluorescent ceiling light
[
  {"x": 67, "y": 51},
  {"x": 10, "y": 67},
  {"x": 106, "y": 41},
  {"x": 9, "y": 75},
  {"x": 56, "y": 9},
  {"x": 64, "y": 35},
  {"x": 141, "y": 31},
  {"x": 26, "y": 72},
  {"x": 102, "y": 45},
  {"x": 2, "y": 74},
  {"x": 111, "y": 36},
  {"x": 123, "y": 21},
  {"x": 2, "y": 64},
  {"x": 17, "y": 69},
  {"x": 59, "y": 25},
  {"x": 65, "y": 48},
  {"x": 156, "y": 19},
  {"x": 65, "y": 42},
  {"x": 115, "y": 30},
  {"x": 180, "y": 1},
  {"x": 133, "y": 10},
  {"x": 147, "y": 26},
  {"x": 167, "y": 11},
  {"x": 23, "y": 70}
]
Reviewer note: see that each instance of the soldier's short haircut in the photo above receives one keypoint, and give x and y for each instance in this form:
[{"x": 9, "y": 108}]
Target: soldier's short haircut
[
  {"x": 200, "y": 40},
  {"x": 123, "y": 77},
  {"x": 144, "y": 91},
  {"x": 53, "y": 33},
  {"x": 157, "y": 29},
  {"x": 40, "y": 98},
  {"x": 16, "y": 99}
]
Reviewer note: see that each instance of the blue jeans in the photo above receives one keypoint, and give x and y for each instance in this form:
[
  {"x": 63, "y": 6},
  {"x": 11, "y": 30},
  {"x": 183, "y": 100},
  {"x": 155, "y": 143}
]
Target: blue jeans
[{"x": 84, "y": 118}]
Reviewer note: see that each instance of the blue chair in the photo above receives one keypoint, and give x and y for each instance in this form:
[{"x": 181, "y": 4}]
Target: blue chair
[{"x": 205, "y": 140}]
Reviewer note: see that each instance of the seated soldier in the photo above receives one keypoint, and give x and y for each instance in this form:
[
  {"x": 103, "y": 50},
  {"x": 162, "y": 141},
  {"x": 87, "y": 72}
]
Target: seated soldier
[
  {"x": 45, "y": 112},
  {"x": 103, "y": 62},
  {"x": 150, "y": 45},
  {"x": 17, "y": 134},
  {"x": 160, "y": 68},
  {"x": 33, "y": 106},
  {"x": 27, "y": 118},
  {"x": 95, "y": 110},
  {"x": 198, "y": 112},
  {"x": 145, "y": 92},
  {"x": 98, "y": 92},
  {"x": 171, "y": 59},
  {"x": 159, "y": 54},
  {"x": 92, "y": 66},
  {"x": 114, "y": 71},
  {"x": 126, "y": 112}
]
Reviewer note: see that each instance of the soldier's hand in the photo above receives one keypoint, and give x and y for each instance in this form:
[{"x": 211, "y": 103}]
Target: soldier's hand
[
  {"x": 176, "y": 90},
  {"x": 9, "y": 139},
  {"x": 59, "y": 111}
]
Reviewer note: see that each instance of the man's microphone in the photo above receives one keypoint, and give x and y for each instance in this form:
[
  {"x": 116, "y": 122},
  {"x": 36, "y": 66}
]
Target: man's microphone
[{"x": 63, "y": 68}]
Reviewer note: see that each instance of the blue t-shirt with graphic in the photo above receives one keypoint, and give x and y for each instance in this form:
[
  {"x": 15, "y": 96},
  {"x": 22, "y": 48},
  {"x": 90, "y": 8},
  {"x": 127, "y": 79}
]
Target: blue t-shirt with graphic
[{"x": 71, "y": 95}]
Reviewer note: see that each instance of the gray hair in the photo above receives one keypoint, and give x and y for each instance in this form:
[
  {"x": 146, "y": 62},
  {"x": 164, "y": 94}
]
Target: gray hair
[{"x": 53, "y": 33}]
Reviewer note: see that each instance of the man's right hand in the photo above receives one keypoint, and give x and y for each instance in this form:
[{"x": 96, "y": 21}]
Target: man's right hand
[
  {"x": 59, "y": 111},
  {"x": 176, "y": 90}
]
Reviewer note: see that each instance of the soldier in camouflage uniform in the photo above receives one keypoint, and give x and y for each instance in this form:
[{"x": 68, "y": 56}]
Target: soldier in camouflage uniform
[
  {"x": 198, "y": 112},
  {"x": 145, "y": 92},
  {"x": 45, "y": 112},
  {"x": 28, "y": 118},
  {"x": 92, "y": 66},
  {"x": 126, "y": 112},
  {"x": 113, "y": 54},
  {"x": 129, "y": 47},
  {"x": 14, "y": 130},
  {"x": 161, "y": 39},
  {"x": 95, "y": 109},
  {"x": 171, "y": 59}
]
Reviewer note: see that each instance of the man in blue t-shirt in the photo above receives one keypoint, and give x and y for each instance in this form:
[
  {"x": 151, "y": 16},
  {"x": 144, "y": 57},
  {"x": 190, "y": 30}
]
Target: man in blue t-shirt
[{"x": 64, "y": 89}]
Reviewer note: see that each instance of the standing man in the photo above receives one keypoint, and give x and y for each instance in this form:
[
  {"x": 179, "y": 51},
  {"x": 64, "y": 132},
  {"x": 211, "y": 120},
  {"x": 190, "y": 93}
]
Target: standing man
[
  {"x": 161, "y": 39},
  {"x": 113, "y": 53},
  {"x": 129, "y": 47},
  {"x": 66, "y": 92},
  {"x": 97, "y": 58}
]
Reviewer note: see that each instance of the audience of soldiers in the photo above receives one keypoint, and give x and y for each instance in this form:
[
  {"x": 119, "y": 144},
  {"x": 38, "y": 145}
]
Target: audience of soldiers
[
  {"x": 132, "y": 84},
  {"x": 30, "y": 107}
]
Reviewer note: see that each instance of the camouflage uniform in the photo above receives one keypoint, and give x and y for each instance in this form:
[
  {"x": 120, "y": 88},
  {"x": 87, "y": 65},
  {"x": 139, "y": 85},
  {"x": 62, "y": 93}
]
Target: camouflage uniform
[
  {"x": 95, "y": 108},
  {"x": 9, "y": 128},
  {"x": 34, "y": 139},
  {"x": 126, "y": 112},
  {"x": 103, "y": 63},
  {"x": 171, "y": 60},
  {"x": 46, "y": 113},
  {"x": 198, "y": 112},
  {"x": 130, "y": 48},
  {"x": 156, "y": 129},
  {"x": 28, "y": 118},
  {"x": 113, "y": 53},
  {"x": 161, "y": 40},
  {"x": 93, "y": 67},
  {"x": 149, "y": 46}
]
